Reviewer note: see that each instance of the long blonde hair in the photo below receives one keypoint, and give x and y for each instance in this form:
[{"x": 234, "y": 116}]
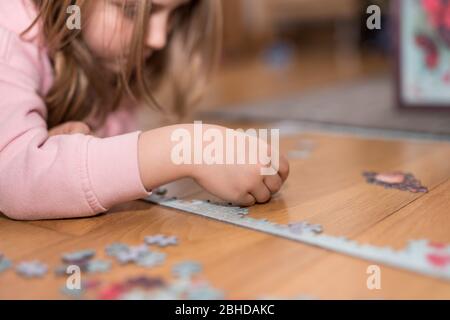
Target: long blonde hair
[{"x": 82, "y": 88}]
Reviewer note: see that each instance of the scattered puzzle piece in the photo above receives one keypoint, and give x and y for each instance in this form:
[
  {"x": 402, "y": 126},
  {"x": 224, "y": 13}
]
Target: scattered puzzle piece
[
  {"x": 140, "y": 255},
  {"x": 151, "y": 259},
  {"x": 114, "y": 249},
  {"x": 186, "y": 269},
  {"x": 182, "y": 289},
  {"x": 5, "y": 264},
  {"x": 132, "y": 254},
  {"x": 32, "y": 269},
  {"x": 161, "y": 240},
  {"x": 82, "y": 259},
  {"x": 112, "y": 292},
  {"x": 146, "y": 282},
  {"x": 91, "y": 284},
  {"x": 395, "y": 180},
  {"x": 204, "y": 292},
  {"x": 136, "y": 295},
  {"x": 98, "y": 266},
  {"x": 78, "y": 257}
]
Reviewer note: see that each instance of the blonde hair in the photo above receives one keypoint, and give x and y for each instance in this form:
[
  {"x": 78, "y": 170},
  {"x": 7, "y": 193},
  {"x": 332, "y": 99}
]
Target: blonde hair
[{"x": 82, "y": 87}]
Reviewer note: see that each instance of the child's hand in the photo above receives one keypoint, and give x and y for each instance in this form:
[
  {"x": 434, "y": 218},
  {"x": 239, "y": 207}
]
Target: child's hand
[
  {"x": 242, "y": 184},
  {"x": 71, "y": 127}
]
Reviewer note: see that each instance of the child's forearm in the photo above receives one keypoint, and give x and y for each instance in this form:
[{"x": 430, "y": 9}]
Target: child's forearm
[{"x": 155, "y": 163}]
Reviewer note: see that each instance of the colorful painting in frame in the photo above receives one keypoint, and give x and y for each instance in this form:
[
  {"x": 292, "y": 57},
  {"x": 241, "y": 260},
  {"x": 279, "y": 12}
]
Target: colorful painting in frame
[{"x": 423, "y": 43}]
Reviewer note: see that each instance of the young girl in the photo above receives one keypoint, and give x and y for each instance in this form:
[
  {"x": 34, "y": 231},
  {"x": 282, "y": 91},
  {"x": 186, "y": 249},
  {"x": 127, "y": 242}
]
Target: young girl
[{"x": 68, "y": 101}]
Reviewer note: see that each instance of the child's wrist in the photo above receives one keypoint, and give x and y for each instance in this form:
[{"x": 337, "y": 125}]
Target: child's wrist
[{"x": 155, "y": 159}]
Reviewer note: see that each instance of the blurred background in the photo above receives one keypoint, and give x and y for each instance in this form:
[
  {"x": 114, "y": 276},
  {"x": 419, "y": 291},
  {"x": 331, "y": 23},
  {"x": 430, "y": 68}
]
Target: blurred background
[
  {"x": 274, "y": 48},
  {"x": 316, "y": 61}
]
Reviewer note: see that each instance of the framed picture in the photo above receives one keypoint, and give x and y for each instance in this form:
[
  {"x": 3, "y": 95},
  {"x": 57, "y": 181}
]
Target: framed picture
[{"x": 422, "y": 33}]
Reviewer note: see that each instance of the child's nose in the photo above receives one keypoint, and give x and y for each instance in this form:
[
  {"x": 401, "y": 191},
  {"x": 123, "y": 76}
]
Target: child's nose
[
  {"x": 157, "y": 34},
  {"x": 156, "y": 40}
]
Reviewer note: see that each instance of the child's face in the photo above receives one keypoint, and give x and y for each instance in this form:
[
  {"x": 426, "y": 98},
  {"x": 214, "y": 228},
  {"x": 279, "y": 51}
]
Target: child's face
[{"x": 109, "y": 29}]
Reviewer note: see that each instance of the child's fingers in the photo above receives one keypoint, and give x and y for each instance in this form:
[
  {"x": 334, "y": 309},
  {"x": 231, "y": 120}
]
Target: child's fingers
[
  {"x": 273, "y": 183},
  {"x": 261, "y": 193},
  {"x": 55, "y": 131},
  {"x": 70, "y": 128},
  {"x": 78, "y": 127},
  {"x": 247, "y": 201}
]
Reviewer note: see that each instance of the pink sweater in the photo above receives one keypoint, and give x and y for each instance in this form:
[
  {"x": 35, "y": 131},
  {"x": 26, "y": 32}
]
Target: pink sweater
[{"x": 64, "y": 176}]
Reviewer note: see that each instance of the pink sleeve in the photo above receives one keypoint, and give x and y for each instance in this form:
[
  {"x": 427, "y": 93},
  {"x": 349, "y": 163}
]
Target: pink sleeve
[
  {"x": 121, "y": 121},
  {"x": 62, "y": 176}
]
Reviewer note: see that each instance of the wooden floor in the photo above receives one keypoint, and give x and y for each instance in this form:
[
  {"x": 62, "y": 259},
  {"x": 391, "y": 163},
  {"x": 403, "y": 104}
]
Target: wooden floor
[
  {"x": 251, "y": 80},
  {"x": 326, "y": 188}
]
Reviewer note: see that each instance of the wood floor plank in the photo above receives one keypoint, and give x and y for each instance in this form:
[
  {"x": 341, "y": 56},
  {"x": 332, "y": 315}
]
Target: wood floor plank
[{"x": 20, "y": 239}]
